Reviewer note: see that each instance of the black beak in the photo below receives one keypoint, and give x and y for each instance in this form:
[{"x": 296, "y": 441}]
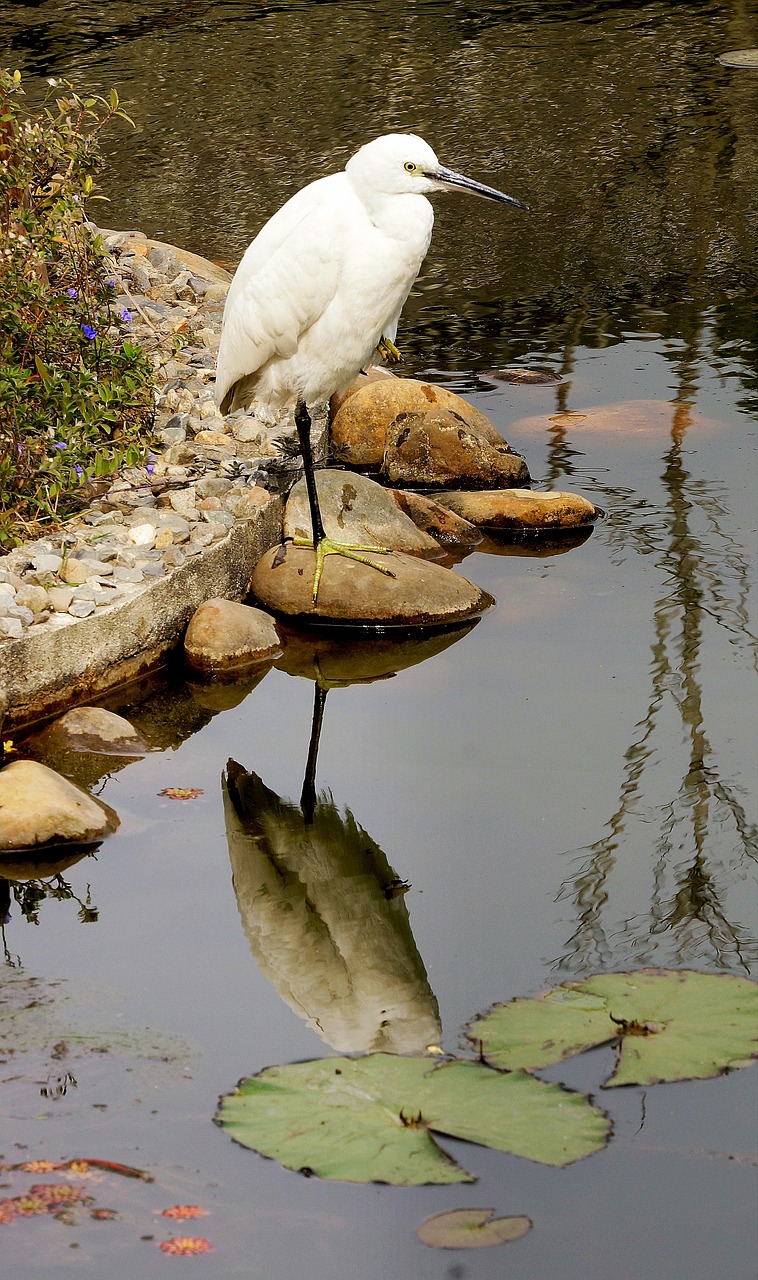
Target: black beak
[{"x": 452, "y": 181}]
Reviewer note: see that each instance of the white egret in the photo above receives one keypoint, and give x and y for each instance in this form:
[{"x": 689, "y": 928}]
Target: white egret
[{"x": 321, "y": 288}]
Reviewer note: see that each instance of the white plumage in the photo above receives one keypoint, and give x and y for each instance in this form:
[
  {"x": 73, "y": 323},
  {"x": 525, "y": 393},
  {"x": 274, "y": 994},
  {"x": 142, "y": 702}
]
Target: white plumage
[
  {"x": 328, "y": 275},
  {"x": 324, "y": 282}
]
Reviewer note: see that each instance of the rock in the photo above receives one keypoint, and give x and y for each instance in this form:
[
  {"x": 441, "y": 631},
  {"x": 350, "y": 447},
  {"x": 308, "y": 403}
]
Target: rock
[
  {"x": 213, "y": 486},
  {"x": 47, "y": 563},
  {"x": 421, "y": 593},
  {"x": 81, "y": 608},
  {"x": 11, "y": 628},
  {"x": 74, "y": 572},
  {"x": 521, "y": 509},
  {"x": 247, "y": 506},
  {"x": 217, "y": 438},
  {"x": 38, "y": 807},
  {"x": 91, "y": 729},
  {"x": 34, "y": 598},
  {"x": 248, "y": 431},
  {"x": 224, "y": 635},
  {"x": 355, "y": 510},
  {"x": 60, "y": 598},
  {"x": 447, "y": 528},
  {"x": 173, "y": 557},
  {"x": 631, "y": 423},
  {"x": 176, "y": 523},
  {"x": 184, "y": 502},
  {"x": 172, "y": 435},
  {"x": 374, "y": 373},
  {"x": 207, "y": 409},
  {"x": 142, "y": 535},
  {"x": 437, "y": 448},
  {"x": 361, "y": 427},
  {"x": 123, "y": 573},
  {"x": 521, "y": 376}
]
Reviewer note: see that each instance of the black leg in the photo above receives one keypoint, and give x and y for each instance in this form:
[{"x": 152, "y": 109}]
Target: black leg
[
  {"x": 303, "y": 424},
  {"x": 308, "y": 796},
  {"x": 322, "y": 545}
]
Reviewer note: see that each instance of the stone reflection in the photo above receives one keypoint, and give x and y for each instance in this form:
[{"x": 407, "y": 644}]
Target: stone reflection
[
  {"x": 701, "y": 840},
  {"x": 322, "y": 908},
  {"x": 27, "y": 880}
]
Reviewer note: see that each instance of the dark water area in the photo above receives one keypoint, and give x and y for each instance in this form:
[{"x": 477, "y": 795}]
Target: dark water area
[{"x": 568, "y": 787}]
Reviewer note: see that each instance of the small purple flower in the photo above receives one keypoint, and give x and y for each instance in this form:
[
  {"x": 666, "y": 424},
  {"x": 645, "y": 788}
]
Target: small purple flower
[
  {"x": 59, "y": 444},
  {"x": 78, "y": 470},
  {"x": 126, "y": 316},
  {"x": 111, "y": 284},
  {"x": 73, "y": 293},
  {"x": 89, "y": 332}
]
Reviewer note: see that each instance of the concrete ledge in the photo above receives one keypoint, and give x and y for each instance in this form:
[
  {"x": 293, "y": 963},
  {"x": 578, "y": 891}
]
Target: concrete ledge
[{"x": 44, "y": 672}]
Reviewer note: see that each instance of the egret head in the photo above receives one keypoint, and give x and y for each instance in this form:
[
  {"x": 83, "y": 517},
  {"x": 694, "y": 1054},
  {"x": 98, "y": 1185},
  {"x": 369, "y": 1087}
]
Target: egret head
[{"x": 402, "y": 163}]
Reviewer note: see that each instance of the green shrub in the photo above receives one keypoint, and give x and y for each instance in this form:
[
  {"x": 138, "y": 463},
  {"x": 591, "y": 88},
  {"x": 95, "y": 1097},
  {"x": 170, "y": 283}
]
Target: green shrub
[{"x": 76, "y": 396}]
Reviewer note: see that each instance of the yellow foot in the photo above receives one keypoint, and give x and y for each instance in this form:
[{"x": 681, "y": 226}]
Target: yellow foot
[
  {"x": 388, "y": 351},
  {"x": 327, "y": 547}
]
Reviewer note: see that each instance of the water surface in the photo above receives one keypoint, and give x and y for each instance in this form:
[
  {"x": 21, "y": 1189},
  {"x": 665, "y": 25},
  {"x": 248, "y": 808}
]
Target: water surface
[{"x": 570, "y": 786}]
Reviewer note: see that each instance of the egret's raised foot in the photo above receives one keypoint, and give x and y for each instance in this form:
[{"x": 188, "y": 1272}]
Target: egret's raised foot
[
  {"x": 328, "y": 547},
  {"x": 388, "y": 351}
]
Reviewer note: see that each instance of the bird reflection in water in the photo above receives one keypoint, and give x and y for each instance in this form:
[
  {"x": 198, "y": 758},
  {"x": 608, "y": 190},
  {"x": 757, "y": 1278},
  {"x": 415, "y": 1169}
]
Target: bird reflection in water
[{"x": 323, "y": 910}]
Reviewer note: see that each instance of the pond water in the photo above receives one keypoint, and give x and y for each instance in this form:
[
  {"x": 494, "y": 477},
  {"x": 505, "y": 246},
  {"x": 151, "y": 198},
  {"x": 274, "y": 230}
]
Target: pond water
[{"x": 568, "y": 787}]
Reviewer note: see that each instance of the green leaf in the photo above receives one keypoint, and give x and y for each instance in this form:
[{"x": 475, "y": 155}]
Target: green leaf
[
  {"x": 372, "y": 1119},
  {"x": 669, "y": 1025},
  {"x": 470, "y": 1229}
]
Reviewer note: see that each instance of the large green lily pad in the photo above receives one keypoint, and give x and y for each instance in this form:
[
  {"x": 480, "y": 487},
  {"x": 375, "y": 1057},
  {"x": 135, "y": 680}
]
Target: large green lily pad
[
  {"x": 669, "y": 1025},
  {"x": 372, "y": 1119}
]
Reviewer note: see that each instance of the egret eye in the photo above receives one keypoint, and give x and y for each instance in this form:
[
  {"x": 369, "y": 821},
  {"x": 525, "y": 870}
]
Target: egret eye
[{"x": 410, "y": 167}]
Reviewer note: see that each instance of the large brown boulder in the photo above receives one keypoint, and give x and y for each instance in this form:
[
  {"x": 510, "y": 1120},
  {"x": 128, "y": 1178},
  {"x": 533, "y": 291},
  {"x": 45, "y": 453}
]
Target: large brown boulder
[
  {"x": 374, "y": 373},
  {"x": 357, "y": 510},
  {"x": 523, "y": 510},
  {"x": 361, "y": 427},
  {"x": 224, "y": 635},
  {"x": 420, "y": 592},
  {"x": 437, "y": 448},
  {"x": 38, "y": 807}
]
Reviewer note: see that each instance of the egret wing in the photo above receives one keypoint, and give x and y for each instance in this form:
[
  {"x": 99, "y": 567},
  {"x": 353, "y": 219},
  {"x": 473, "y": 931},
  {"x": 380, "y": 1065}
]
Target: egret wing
[{"x": 285, "y": 281}]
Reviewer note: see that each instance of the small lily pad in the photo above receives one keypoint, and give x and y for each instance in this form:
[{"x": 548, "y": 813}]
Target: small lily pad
[
  {"x": 743, "y": 59},
  {"x": 668, "y": 1025},
  {"x": 470, "y": 1229},
  {"x": 372, "y": 1119}
]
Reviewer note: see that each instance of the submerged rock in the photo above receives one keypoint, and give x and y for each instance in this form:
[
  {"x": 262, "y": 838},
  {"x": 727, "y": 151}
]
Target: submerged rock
[
  {"x": 420, "y": 594},
  {"x": 363, "y": 425},
  {"x": 224, "y": 635},
  {"x": 521, "y": 509},
  {"x": 358, "y": 510},
  {"x": 90, "y": 729},
  {"x": 38, "y": 807}
]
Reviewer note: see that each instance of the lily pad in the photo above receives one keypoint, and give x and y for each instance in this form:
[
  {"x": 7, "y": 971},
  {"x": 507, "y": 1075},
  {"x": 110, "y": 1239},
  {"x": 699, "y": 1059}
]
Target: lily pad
[
  {"x": 470, "y": 1229},
  {"x": 669, "y": 1025},
  {"x": 744, "y": 59},
  {"x": 372, "y": 1119}
]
